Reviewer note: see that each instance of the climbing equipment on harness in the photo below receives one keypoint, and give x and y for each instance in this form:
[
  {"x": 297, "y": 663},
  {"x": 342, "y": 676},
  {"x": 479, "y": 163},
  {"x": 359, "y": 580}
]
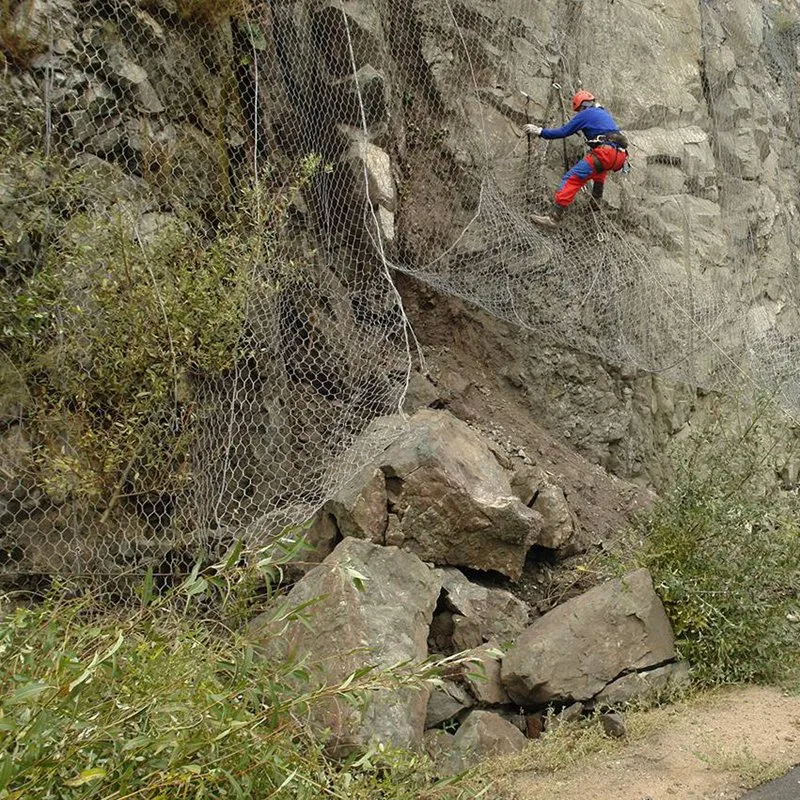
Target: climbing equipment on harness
[{"x": 609, "y": 151}]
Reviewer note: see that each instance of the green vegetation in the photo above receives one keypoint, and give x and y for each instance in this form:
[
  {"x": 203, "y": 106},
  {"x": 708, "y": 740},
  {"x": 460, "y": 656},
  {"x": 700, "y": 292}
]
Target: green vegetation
[
  {"x": 154, "y": 703},
  {"x": 786, "y": 23},
  {"x": 725, "y": 558},
  {"x": 110, "y": 324},
  {"x": 752, "y": 771}
]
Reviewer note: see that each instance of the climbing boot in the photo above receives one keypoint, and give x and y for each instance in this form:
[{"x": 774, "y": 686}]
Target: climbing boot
[{"x": 550, "y": 220}]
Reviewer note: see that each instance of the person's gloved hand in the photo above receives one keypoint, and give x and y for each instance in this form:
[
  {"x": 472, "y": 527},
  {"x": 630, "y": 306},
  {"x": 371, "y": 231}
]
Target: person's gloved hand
[{"x": 532, "y": 130}]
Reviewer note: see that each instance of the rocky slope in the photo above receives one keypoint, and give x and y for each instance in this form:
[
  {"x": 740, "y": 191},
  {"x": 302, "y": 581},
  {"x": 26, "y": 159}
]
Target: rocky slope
[
  {"x": 157, "y": 114},
  {"x": 553, "y": 369}
]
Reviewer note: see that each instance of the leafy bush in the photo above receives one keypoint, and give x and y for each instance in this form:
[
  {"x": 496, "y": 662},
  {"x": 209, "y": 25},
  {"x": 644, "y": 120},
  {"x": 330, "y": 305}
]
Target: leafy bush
[
  {"x": 112, "y": 330},
  {"x": 154, "y": 703},
  {"x": 725, "y": 559}
]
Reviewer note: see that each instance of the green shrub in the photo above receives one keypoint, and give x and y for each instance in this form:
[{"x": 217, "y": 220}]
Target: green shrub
[
  {"x": 112, "y": 331},
  {"x": 725, "y": 559},
  {"x": 153, "y": 703}
]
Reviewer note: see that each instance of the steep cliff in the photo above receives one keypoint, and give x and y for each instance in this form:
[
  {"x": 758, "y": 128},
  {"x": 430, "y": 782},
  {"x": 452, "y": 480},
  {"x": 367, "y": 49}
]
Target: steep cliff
[{"x": 289, "y": 162}]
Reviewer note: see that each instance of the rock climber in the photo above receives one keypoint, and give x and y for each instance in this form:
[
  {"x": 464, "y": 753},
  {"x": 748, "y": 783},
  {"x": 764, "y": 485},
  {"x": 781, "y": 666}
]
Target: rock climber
[{"x": 608, "y": 153}]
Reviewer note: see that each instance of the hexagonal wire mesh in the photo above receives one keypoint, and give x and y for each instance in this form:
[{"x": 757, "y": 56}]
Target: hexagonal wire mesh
[{"x": 202, "y": 333}]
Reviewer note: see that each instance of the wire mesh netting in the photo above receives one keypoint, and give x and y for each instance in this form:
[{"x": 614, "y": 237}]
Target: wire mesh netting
[{"x": 201, "y": 204}]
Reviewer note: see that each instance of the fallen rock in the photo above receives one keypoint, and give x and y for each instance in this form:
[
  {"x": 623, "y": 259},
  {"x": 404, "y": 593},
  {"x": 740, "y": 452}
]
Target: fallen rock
[
  {"x": 483, "y": 734},
  {"x": 534, "y": 726},
  {"x": 437, "y": 743},
  {"x": 360, "y": 507},
  {"x": 496, "y": 615},
  {"x": 640, "y": 684},
  {"x": 613, "y": 725},
  {"x": 573, "y": 651},
  {"x": 482, "y": 677},
  {"x": 558, "y": 521},
  {"x": 450, "y": 502},
  {"x": 446, "y": 701},
  {"x": 421, "y": 393},
  {"x": 372, "y": 605}
]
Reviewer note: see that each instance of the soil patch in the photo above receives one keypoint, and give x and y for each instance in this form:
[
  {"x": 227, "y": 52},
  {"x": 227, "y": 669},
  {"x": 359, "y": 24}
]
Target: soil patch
[{"x": 713, "y": 748}]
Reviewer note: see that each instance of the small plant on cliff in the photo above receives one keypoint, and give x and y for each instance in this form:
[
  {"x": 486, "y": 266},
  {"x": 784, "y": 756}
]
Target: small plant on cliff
[
  {"x": 725, "y": 559},
  {"x": 786, "y": 23}
]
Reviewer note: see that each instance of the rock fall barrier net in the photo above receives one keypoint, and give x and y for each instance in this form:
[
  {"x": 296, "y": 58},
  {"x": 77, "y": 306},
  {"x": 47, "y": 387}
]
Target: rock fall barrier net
[{"x": 203, "y": 204}]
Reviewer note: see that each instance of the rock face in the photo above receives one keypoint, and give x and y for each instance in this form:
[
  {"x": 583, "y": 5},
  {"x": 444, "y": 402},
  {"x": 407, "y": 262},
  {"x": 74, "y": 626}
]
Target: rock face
[
  {"x": 440, "y": 493},
  {"x": 178, "y": 111},
  {"x": 572, "y": 652},
  {"x": 713, "y": 121},
  {"x": 383, "y": 623}
]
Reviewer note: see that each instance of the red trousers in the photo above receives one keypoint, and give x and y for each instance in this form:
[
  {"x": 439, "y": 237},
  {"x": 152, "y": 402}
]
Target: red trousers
[{"x": 610, "y": 159}]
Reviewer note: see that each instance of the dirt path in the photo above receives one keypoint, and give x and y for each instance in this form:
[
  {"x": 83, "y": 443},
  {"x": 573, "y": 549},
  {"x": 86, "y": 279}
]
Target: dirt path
[{"x": 709, "y": 749}]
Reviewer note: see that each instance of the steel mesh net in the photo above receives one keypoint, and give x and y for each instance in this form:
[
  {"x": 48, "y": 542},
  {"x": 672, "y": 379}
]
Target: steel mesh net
[{"x": 202, "y": 204}]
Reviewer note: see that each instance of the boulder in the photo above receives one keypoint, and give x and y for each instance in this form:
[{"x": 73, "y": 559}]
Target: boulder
[
  {"x": 446, "y": 701},
  {"x": 572, "y": 652},
  {"x": 536, "y": 489},
  {"x": 368, "y": 162},
  {"x": 360, "y": 507},
  {"x": 437, "y": 743},
  {"x": 450, "y": 502},
  {"x": 421, "y": 393},
  {"x": 558, "y": 521},
  {"x": 640, "y": 684},
  {"x": 371, "y": 605},
  {"x": 494, "y": 614},
  {"x": 482, "y": 677}
]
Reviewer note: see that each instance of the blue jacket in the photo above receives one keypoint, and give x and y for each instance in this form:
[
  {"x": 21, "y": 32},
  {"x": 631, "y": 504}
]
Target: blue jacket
[{"x": 591, "y": 122}]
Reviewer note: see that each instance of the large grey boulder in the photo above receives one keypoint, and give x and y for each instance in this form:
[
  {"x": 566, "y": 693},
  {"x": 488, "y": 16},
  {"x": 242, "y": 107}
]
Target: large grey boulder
[
  {"x": 573, "y": 651},
  {"x": 373, "y": 607},
  {"x": 448, "y": 500}
]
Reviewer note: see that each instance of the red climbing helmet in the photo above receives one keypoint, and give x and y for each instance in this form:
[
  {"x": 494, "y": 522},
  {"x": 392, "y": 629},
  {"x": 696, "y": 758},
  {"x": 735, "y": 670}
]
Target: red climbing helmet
[{"x": 581, "y": 97}]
